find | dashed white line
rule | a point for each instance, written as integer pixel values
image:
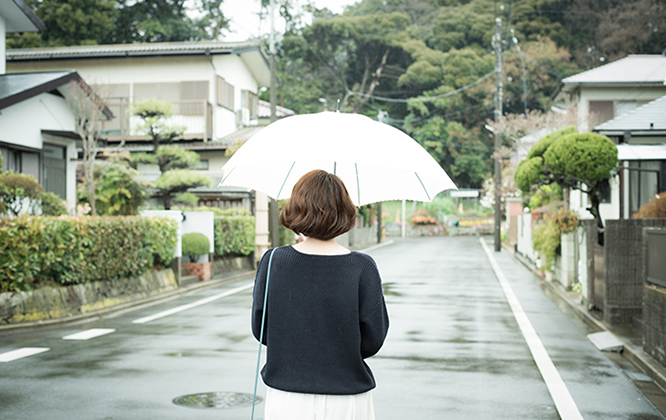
(88, 334)
(563, 400)
(191, 305)
(21, 353)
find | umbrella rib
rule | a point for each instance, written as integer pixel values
(358, 185)
(424, 188)
(285, 180)
(225, 178)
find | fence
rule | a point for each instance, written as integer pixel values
(196, 116)
(654, 303)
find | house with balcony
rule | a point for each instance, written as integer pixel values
(212, 87)
(37, 125)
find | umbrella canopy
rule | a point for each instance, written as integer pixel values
(376, 162)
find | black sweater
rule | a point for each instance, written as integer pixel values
(326, 313)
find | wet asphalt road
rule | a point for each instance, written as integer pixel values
(454, 351)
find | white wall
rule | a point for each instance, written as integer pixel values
(613, 94)
(2, 45)
(22, 123)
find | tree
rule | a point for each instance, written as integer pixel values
(117, 190)
(88, 110)
(69, 22)
(171, 160)
(456, 149)
(159, 21)
(578, 161)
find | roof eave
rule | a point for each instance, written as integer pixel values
(32, 17)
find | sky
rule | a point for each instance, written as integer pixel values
(245, 23)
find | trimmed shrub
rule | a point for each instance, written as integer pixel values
(653, 209)
(234, 235)
(19, 193)
(194, 245)
(53, 205)
(71, 250)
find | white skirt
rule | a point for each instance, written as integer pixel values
(282, 405)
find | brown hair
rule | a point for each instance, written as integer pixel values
(319, 207)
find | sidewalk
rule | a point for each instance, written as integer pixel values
(632, 342)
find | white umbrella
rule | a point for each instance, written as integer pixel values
(375, 161)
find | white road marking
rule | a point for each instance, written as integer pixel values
(21, 353)
(564, 402)
(88, 334)
(191, 305)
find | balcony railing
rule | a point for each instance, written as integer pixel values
(195, 115)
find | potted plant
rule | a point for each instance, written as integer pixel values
(194, 245)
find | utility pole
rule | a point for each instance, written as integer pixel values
(497, 44)
(273, 222)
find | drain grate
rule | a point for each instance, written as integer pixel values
(216, 400)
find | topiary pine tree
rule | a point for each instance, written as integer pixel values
(578, 161)
(172, 160)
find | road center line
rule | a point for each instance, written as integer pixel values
(21, 353)
(191, 305)
(88, 334)
(564, 402)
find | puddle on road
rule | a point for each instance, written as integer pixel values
(216, 400)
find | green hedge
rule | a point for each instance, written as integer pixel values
(71, 250)
(234, 235)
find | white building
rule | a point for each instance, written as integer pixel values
(212, 86)
(606, 93)
(37, 127)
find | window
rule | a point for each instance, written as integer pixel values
(225, 94)
(600, 112)
(250, 100)
(645, 181)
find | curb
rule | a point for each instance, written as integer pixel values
(144, 302)
(636, 355)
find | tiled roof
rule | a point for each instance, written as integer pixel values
(280, 112)
(130, 50)
(651, 116)
(633, 69)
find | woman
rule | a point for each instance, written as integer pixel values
(325, 311)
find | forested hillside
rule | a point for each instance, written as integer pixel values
(427, 63)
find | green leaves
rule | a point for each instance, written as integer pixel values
(234, 235)
(588, 157)
(195, 244)
(178, 180)
(70, 250)
(529, 173)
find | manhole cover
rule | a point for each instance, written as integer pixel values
(216, 400)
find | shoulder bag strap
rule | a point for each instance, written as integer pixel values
(261, 334)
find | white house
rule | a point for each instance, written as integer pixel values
(212, 86)
(37, 127)
(606, 93)
(640, 136)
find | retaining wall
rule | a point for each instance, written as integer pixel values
(80, 299)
